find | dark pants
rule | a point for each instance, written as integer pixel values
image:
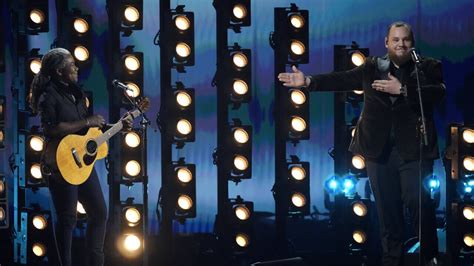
(65, 197)
(396, 182)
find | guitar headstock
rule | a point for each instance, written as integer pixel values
(144, 104)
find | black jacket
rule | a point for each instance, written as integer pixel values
(381, 113)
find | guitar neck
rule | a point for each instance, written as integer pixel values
(109, 133)
(115, 128)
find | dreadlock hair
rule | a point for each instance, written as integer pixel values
(54, 59)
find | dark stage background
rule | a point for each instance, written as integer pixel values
(444, 29)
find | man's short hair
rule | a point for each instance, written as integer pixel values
(398, 24)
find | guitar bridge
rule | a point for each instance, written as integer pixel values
(76, 157)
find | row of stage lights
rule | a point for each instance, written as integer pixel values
(291, 41)
(460, 154)
(234, 157)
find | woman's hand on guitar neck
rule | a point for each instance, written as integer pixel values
(127, 121)
(95, 121)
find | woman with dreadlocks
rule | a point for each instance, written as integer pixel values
(61, 104)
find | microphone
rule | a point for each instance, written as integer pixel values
(119, 84)
(414, 55)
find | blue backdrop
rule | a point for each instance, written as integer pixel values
(444, 30)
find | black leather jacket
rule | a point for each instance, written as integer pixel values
(381, 113)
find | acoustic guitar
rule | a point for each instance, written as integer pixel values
(76, 154)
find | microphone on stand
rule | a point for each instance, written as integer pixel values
(120, 85)
(414, 55)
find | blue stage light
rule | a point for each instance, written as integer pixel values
(349, 184)
(331, 185)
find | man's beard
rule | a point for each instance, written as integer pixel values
(399, 60)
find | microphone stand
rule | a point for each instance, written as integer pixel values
(145, 122)
(423, 142)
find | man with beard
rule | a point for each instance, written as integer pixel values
(388, 135)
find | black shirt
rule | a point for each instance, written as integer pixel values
(61, 103)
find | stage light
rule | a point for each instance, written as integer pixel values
(358, 92)
(359, 208)
(131, 73)
(35, 171)
(80, 209)
(297, 47)
(38, 16)
(358, 162)
(349, 56)
(181, 38)
(240, 60)
(183, 189)
(133, 90)
(183, 50)
(131, 16)
(468, 135)
(297, 97)
(39, 222)
(357, 58)
(2, 138)
(81, 25)
(36, 225)
(238, 76)
(298, 124)
(240, 87)
(4, 221)
(331, 185)
(359, 236)
(468, 212)
(133, 216)
(2, 187)
(349, 184)
(133, 168)
(184, 127)
(240, 135)
(239, 11)
(132, 160)
(2, 216)
(79, 39)
(297, 21)
(185, 202)
(132, 139)
(184, 175)
(239, 146)
(131, 242)
(239, 14)
(36, 143)
(432, 183)
(297, 108)
(240, 162)
(298, 172)
(239, 223)
(81, 53)
(131, 62)
(469, 240)
(242, 240)
(468, 163)
(182, 22)
(39, 249)
(183, 99)
(292, 34)
(242, 212)
(183, 115)
(35, 65)
(298, 200)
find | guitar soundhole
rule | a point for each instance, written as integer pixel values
(91, 147)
